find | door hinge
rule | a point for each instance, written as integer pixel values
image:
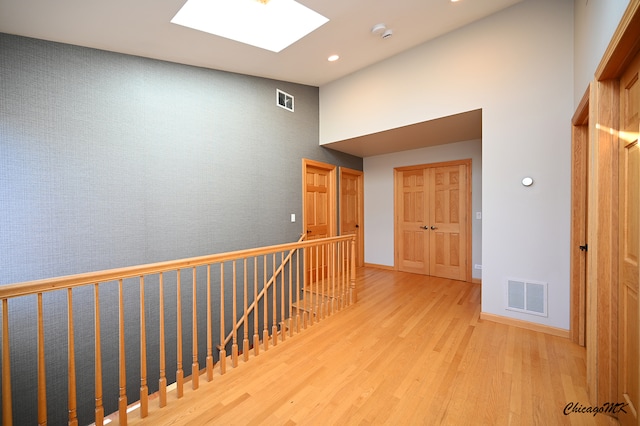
(584, 247)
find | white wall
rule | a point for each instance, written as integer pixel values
(378, 194)
(517, 67)
(595, 21)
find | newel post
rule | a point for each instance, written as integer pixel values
(352, 283)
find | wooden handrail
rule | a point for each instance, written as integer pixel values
(9, 291)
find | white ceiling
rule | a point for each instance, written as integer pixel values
(143, 28)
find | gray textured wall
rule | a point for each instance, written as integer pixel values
(109, 160)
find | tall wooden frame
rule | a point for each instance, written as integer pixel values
(579, 197)
(359, 176)
(603, 255)
(308, 207)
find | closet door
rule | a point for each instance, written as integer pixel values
(431, 219)
(447, 222)
(412, 230)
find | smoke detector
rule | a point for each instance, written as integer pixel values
(381, 30)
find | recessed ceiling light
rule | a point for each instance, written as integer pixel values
(273, 25)
(333, 58)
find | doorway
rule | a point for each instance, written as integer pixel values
(352, 209)
(318, 208)
(432, 219)
(579, 219)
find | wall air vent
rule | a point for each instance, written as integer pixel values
(284, 100)
(526, 296)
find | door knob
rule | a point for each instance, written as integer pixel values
(425, 227)
(433, 227)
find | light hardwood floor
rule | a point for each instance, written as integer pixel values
(411, 351)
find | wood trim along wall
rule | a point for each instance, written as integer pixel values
(624, 44)
(467, 162)
(603, 256)
(560, 332)
(602, 259)
(378, 266)
(581, 116)
(579, 188)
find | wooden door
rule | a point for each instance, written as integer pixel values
(629, 304)
(352, 209)
(319, 208)
(447, 222)
(433, 235)
(412, 248)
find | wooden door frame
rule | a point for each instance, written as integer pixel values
(331, 197)
(468, 228)
(603, 254)
(579, 188)
(360, 214)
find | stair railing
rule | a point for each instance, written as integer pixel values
(323, 270)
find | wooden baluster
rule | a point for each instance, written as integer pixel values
(353, 297)
(245, 341)
(223, 351)
(274, 324)
(71, 362)
(298, 290)
(144, 390)
(162, 381)
(327, 299)
(316, 307)
(283, 329)
(195, 365)
(42, 377)
(340, 278)
(209, 331)
(329, 278)
(308, 285)
(336, 283)
(265, 331)
(290, 319)
(7, 409)
(179, 370)
(256, 336)
(99, 410)
(323, 291)
(122, 398)
(345, 274)
(234, 346)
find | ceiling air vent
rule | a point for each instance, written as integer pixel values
(284, 100)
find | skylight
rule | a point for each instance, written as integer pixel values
(272, 26)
